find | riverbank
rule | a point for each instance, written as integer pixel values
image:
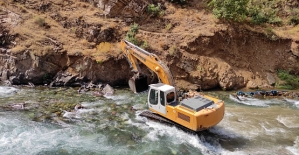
(75, 42)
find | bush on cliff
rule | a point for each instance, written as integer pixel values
(130, 36)
(291, 81)
(235, 10)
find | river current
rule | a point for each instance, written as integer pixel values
(42, 121)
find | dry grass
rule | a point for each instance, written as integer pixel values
(2, 4)
(104, 47)
(290, 32)
(40, 21)
(173, 50)
(18, 49)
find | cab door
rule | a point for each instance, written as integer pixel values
(156, 100)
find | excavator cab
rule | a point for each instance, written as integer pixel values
(159, 96)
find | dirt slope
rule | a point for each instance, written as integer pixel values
(69, 42)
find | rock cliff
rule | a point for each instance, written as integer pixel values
(67, 43)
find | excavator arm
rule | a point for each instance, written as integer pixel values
(135, 54)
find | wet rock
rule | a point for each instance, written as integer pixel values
(97, 93)
(78, 106)
(108, 90)
(6, 83)
(132, 109)
(17, 106)
(15, 80)
(83, 88)
(64, 79)
(4, 75)
(271, 80)
(228, 80)
(31, 84)
(251, 85)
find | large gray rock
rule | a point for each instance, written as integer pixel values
(125, 8)
(251, 85)
(271, 80)
(108, 90)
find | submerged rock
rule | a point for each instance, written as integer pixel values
(78, 106)
(17, 106)
(97, 93)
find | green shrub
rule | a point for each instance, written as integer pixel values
(130, 36)
(144, 45)
(257, 16)
(154, 10)
(291, 81)
(294, 17)
(275, 21)
(264, 12)
(235, 10)
(294, 20)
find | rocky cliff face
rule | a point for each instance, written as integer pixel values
(58, 43)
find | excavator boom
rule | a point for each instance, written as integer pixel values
(135, 54)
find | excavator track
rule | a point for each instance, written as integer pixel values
(158, 118)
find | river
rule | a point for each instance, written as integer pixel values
(40, 121)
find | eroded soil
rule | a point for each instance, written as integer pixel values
(71, 42)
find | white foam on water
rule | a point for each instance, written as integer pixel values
(292, 101)
(7, 91)
(271, 130)
(124, 116)
(72, 114)
(295, 148)
(116, 97)
(79, 113)
(223, 132)
(20, 136)
(252, 101)
(235, 125)
(92, 104)
(289, 121)
(157, 130)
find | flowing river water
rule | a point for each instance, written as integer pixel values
(40, 121)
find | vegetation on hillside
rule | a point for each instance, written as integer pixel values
(131, 37)
(276, 12)
(154, 10)
(290, 81)
(229, 9)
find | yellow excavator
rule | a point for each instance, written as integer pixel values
(193, 110)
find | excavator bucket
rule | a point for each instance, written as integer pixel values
(139, 84)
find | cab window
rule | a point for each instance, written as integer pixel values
(170, 97)
(162, 98)
(153, 98)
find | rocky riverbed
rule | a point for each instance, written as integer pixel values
(44, 120)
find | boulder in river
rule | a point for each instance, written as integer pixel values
(108, 90)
